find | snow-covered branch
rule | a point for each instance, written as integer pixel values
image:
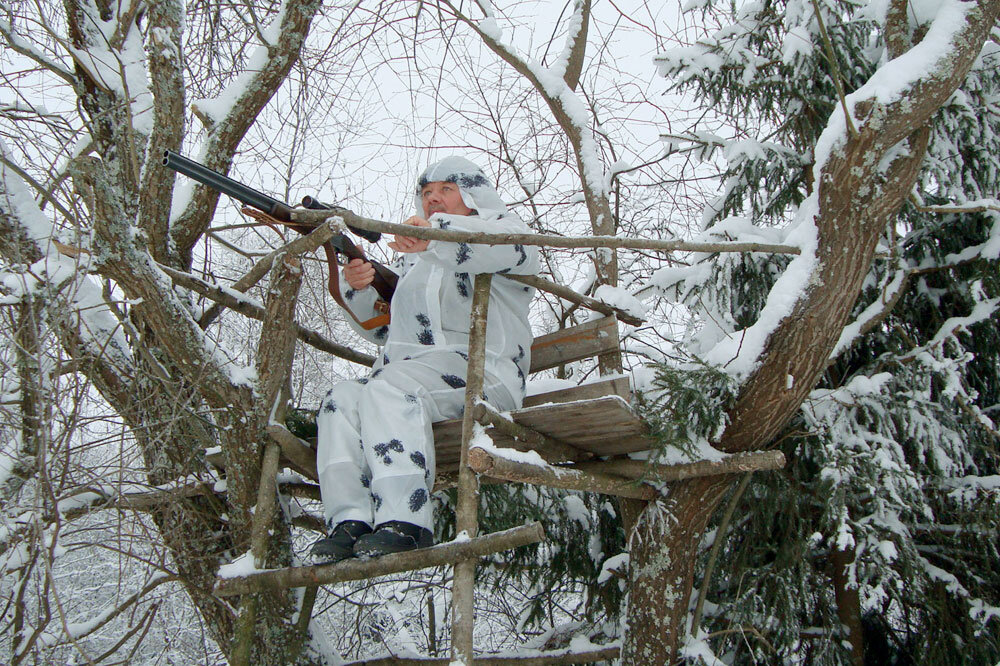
(26, 49)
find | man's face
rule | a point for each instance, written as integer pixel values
(442, 197)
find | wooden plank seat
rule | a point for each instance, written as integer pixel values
(595, 419)
(602, 426)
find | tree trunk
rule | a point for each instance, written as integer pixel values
(848, 602)
(857, 196)
(664, 549)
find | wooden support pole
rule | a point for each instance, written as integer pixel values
(552, 450)
(498, 467)
(734, 464)
(358, 569)
(302, 621)
(554, 657)
(467, 511)
(267, 500)
(274, 365)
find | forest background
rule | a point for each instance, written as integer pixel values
(861, 137)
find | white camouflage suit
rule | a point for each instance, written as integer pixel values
(375, 454)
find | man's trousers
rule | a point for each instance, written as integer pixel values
(375, 454)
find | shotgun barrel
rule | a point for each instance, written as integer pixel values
(385, 280)
(226, 185)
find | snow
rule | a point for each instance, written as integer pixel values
(122, 71)
(983, 311)
(852, 330)
(241, 566)
(619, 298)
(797, 43)
(699, 652)
(619, 562)
(481, 439)
(537, 385)
(888, 550)
(577, 510)
(99, 329)
(696, 450)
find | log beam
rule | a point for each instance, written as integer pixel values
(358, 569)
(734, 464)
(542, 659)
(498, 467)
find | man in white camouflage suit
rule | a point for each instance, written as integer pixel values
(375, 453)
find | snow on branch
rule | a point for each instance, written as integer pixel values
(28, 238)
(984, 310)
(894, 97)
(76, 631)
(26, 49)
(111, 56)
(892, 289)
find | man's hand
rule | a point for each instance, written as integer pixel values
(359, 273)
(407, 243)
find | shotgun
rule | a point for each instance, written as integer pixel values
(384, 281)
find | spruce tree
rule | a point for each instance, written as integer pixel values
(877, 543)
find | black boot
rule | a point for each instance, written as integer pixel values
(393, 536)
(339, 545)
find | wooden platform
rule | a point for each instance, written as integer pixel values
(591, 420)
(595, 426)
(601, 426)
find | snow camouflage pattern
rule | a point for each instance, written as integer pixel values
(375, 453)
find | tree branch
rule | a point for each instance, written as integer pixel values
(554, 657)
(356, 569)
(227, 133)
(240, 303)
(542, 240)
(166, 73)
(323, 232)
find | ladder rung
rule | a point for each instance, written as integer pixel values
(358, 569)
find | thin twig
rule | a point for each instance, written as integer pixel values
(834, 70)
(716, 547)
